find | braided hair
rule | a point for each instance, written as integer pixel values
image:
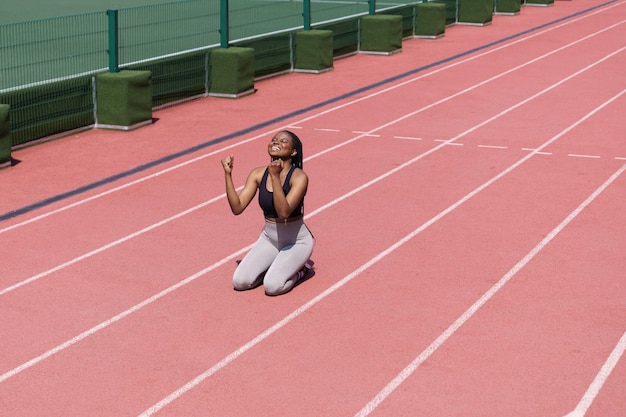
(297, 145)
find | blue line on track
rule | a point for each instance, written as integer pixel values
(185, 152)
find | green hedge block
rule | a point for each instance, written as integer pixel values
(539, 2)
(5, 135)
(430, 20)
(476, 12)
(124, 99)
(508, 6)
(232, 72)
(314, 50)
(50, 109)
(381, 33)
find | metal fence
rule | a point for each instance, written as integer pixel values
(47, 64)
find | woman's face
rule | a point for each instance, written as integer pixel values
(281, 146)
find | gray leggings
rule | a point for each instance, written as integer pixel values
(276, 257)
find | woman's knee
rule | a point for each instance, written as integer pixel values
(243, 281)
(274, 286)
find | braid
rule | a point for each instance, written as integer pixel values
(297, 144)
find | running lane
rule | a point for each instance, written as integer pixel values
(338, 354)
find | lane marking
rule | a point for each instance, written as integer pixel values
(493, 146)
(326, 130)
(443, 337)
(496, 147)
(538, 153)
(398, 380)
(365, 134)
(582, 156)
(600, 379)
(406, 137)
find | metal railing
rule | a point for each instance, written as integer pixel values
(45, 64)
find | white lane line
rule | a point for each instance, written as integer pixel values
(619, 158)
(432, 348)
(393, 385)
(447, 142)
(537, 153)
(600, 379)
(320, 129)
(583, 156)
(493, 146)
(407, 137)
(365, 134)
(338, 107)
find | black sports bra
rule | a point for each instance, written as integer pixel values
(266, 198)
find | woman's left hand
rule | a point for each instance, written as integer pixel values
(275, 167)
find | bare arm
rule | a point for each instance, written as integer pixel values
(239, 202)
(285, 204)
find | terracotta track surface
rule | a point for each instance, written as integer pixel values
(467, 200)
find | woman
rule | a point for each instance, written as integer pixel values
(280, 257)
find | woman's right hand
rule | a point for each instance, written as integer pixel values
(227, 164)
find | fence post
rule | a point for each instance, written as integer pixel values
(5, 136)
(307, 14)
(372, 4)
(113, 41)
(224, 24)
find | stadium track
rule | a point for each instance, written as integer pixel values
(467, 196)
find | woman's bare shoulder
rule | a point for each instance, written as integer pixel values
(258, 171)
(299, 175)
(256, 174)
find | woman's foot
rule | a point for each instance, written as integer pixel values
(303, 273)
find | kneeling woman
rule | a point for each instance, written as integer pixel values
(280, 257)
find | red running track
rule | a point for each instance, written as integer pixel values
(469, 217)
